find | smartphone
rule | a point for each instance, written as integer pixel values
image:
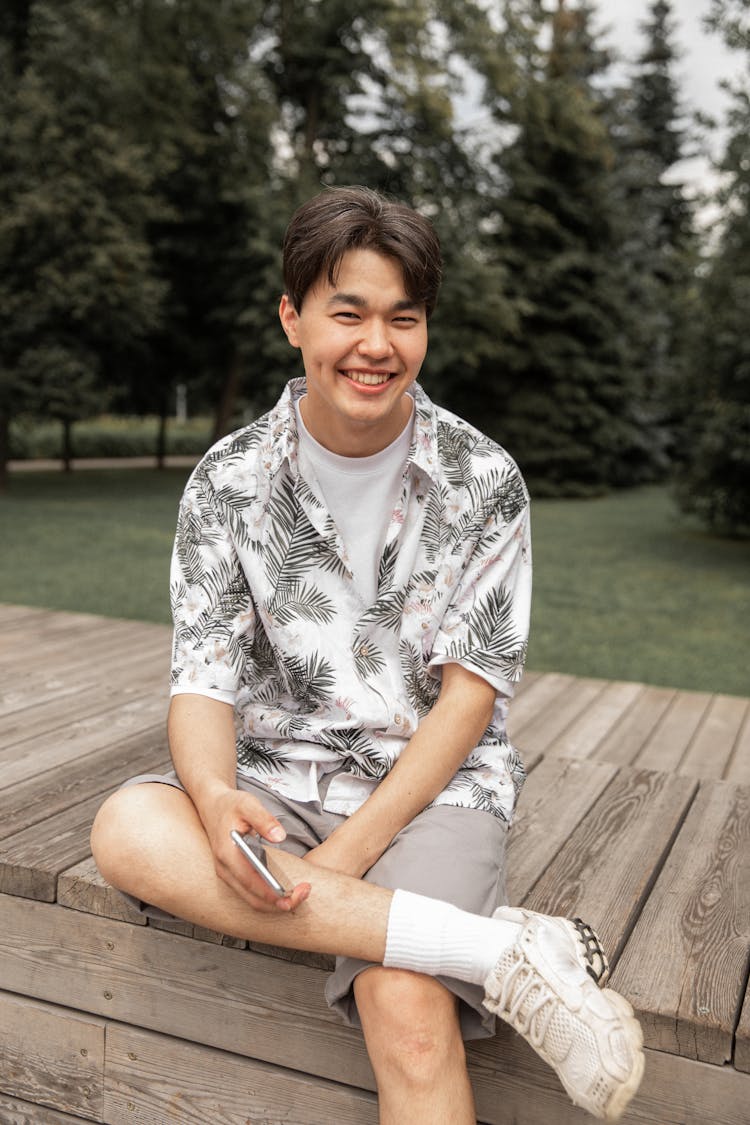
(260, 867)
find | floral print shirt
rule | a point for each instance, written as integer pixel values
(268, 616)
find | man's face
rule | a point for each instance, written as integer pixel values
(363, 342)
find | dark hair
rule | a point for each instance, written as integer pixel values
(325, 228)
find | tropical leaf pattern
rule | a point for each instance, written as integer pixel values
(266, 611)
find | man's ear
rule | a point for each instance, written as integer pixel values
(289, 316)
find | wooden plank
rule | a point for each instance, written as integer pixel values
(31, 861)
(12, 616)
(526, 681)
(52, 1055)
(554, 800)
(38, 798)
(234, 999)
(738, 768)
(540, 734)
(153, 1079)
(512, 1085)
(666, 747)
(589, 729)
(107, 728)
(27, 694)
(82, 888)
(685, 965)
(607, 867)
(543, 692)
(742, 1039)
(192, 990)
(199, 933)
(72, 639)
(628, 736)
(16, 1111)
(111, 683)
(711, 750)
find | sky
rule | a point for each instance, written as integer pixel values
(704, 62)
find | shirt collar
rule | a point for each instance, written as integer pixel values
(282, 428)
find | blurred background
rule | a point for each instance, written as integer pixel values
(588, 169)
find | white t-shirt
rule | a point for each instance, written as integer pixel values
(360, 493)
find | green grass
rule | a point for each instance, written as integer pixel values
(90, 541)
(625, 587)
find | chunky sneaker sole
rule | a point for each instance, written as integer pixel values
(542, 986)
(585, 941)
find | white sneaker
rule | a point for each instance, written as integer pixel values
(544, 987)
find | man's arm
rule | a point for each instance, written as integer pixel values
(440, 744)
(202, 743)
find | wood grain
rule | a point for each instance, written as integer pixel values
(539, 735)
(52, 1056)
(606, 869)
(154, 1078)
(668, 742)
(81, 887)
(233, 999)
(625, 740)
(16, 1111)
(711, 749)
(55, 790)
(554, 800)
(685, 965)
(742, 1039)
(31, 861)
(113, 722)
(582, 737)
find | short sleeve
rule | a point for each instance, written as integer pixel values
(486, 625)
(212, 607)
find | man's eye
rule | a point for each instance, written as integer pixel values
(348, 315)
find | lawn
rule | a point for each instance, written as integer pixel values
(625, 587)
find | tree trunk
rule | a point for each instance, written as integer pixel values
(161, 437)
(4, 449)
(67, 444)
(229, 393)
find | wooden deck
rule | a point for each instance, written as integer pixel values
(636, 815)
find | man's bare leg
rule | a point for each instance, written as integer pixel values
(413, 1038)
(148, 840)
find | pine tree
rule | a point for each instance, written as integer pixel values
(659, 243)
(78, 285)
(562, 397)
(715, 476)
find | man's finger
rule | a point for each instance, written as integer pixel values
(261, 820)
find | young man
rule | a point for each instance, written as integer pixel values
(350, 589)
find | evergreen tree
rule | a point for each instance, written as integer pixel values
(78, 286)
(205, 111)
(715, 477)
(563, 398)
(659, 245)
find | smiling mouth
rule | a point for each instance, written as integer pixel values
(368, 378)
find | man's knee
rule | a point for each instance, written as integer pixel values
(411, 1024)
(125, 830)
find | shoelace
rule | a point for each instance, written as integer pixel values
(512, 1005)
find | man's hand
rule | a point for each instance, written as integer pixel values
(233, 809)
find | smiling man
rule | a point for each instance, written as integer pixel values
(350, 591)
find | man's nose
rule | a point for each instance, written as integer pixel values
(375, 340)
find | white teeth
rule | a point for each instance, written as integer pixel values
(367, 379)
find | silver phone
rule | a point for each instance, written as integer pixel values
(259, 866)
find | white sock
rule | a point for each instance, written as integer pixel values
(433, 937)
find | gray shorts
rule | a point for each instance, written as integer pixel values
(453, 854)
